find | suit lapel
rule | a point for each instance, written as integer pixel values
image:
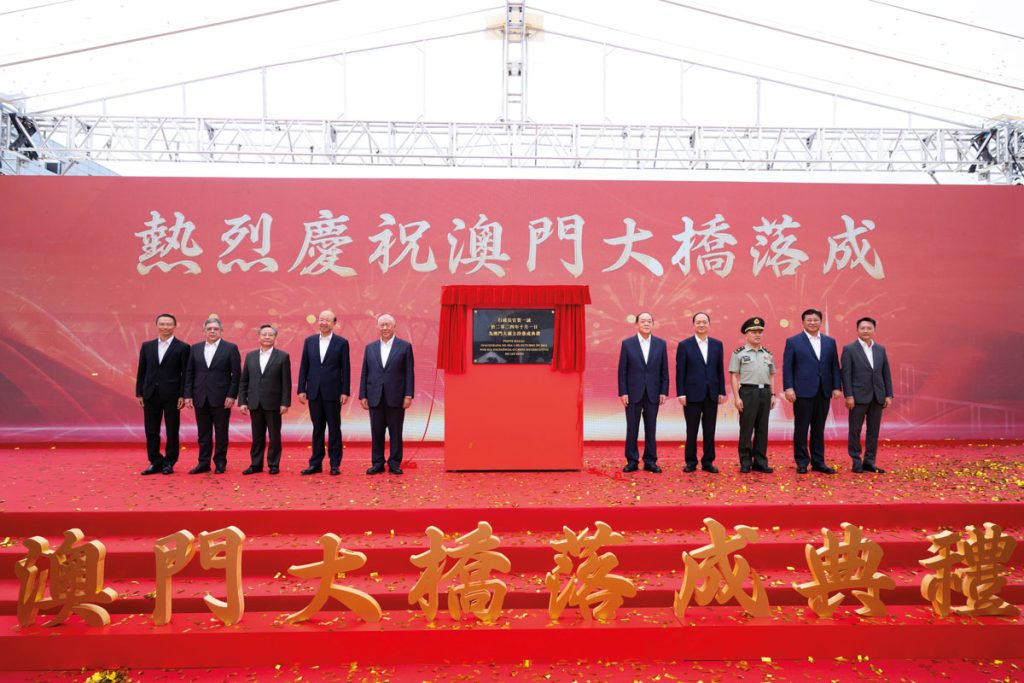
(270, 361)
(221, 350)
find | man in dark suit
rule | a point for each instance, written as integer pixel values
(324, 380)
(386, 387)
(211, 387)
(160, 391)
(810, 378)
(643, 387)
(264, 395)
(867, 384)
(700, 386)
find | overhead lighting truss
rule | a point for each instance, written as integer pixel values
(995, 153)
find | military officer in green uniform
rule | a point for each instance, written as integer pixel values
(752, 374)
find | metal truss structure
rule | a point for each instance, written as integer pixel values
(995, 153)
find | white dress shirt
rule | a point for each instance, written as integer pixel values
(645, 345)
(815, 343)
(703, 346)
(161, 348)
(385, 350)
(868, 352)
(209, 351)
(324, 343)
(265, 358)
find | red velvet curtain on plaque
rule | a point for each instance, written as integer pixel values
(570, 317)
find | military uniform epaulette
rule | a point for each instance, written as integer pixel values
(765, 349)
(740, 348)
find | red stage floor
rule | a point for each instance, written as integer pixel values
(605, 671)
(106, 478)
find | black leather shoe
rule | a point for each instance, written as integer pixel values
(690, 468)
(824, 470)
(312, 470)
(763, 470)
(857, 466)
(375, 470)
(744, 469)
(152, 469)
(801, 469)
(252, 470)
(395, 469)
(220, 470)
(873, 468)
(630, 467)
(273, 470)
(652, 468)
(168, 469)
(335, 471)
(710, 468)
(199, 470)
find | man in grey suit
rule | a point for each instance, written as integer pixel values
(867, 384)
(264, 394)
(386, 388)
(211, 387)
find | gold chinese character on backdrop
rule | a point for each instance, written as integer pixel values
(591, 586)
(985, 553)
(220, 549)
(472, 590)
(337, 561)
(938, 587)
(716, 578)
(173, 553)
(843, 565)
(74, 573)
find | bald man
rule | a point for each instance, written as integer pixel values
(324, 384)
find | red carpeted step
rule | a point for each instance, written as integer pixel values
(356, 520)
(284, 593)
(608, 668)
(527, 551)
(705, 633)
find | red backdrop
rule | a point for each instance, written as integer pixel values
(937, 266)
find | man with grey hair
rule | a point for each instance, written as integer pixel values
(386, 388)
(264, 395)
(211, 387)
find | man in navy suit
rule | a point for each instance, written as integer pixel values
(324, 380)
(160, 391)
(386, 388)
(810, 378)
(643, 387)
(211, 387)
(700, 386)
(867, 384)
(265, 395)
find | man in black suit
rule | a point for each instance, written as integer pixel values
(160, 391)
(810, 378)
(264, 394)
(324, 380)
(700, 386)
(211, 387)
(867, 384)
(386, 388)
(643, 387)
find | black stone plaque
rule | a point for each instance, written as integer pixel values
(513, 336)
